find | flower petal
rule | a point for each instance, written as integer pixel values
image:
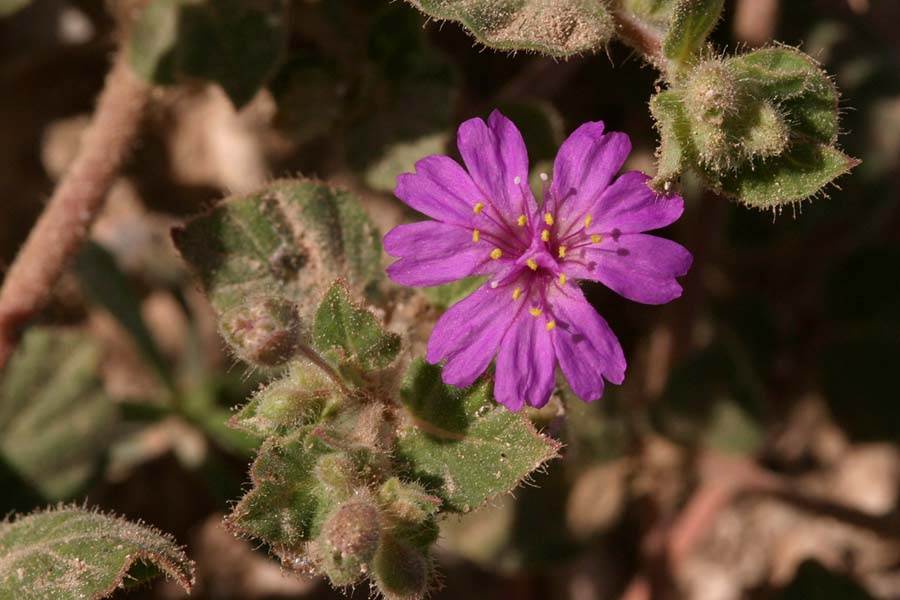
(495, 154)
(638, 266)
(630, 206)
(587, 349)
(468, 334)
(584, 166)
(434, 253)
(526, 364)
(441, 189)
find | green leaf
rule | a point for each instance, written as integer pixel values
(352, 332)
(290, 239)
(560, 28)
(461, 444)
(55, 419)
(236, 44)
(286, 506)
(109, 287)
(296, 400)
(692, 22)
(674, 153)
(799, 173)
(67, 553)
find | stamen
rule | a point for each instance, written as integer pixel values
(551, 325)
(516, 293)
(517, 180)
(521, 220)
(494, 285)
(535, 312)
(476, 235)
(548, 218)
(562, 279)
(562, 251)
(496, 253)
(531, 264)
(587, 221)
(545, 235)
(596, 238)
(543, 177)
(478, 208)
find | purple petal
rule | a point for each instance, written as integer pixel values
(587, 349)
(525, 364)
(468, 334)
(584, 166)
(434, 253)
(495, 155)
(638, 266)
(630, 206)
(441, 189)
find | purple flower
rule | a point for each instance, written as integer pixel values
(531, 313)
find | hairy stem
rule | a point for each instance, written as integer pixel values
(640, 36)
(66, 221)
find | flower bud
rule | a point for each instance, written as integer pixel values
(401, 571)
(265, 331)
(349, 540)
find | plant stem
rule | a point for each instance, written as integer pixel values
(79, 196)
(641, 36)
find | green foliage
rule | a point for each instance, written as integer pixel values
(55, 419)
(236, 44)
(445, 296)
(760, 128)
(68, 552)
(351, 335)
(691, 23)
(558, 29)
(466, 447)
(288, 240)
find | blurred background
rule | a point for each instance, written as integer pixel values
(752, 451)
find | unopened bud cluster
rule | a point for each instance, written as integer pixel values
(263, 331)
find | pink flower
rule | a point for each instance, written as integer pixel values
(531, 313)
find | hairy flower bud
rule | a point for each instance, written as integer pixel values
(265, 331)
(349, 540)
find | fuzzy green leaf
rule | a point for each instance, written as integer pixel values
(290, 239)
(558, 28)
(692, 22)
(445, 296)
(352, 332)
(799, 173)
(55, 419)
(67, 553)
(293, 401)
(236, 44)
(462, 444)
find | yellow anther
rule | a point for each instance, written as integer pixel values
(476, 235)
(551, 325)
(545, 235)
(535, 312)
(478, 208)
(562, 251)
(496, 253)
(588, 220)
(596, 238)
(516, 293)
(531, 264)
(521, 220)
(562, 279)
(548, 218)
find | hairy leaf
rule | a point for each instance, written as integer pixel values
(462, 444)
(352, 333)
(692, 22)
(290, 239)
(67, 553)
(55, 419)
(559, 28)
(236, 44)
